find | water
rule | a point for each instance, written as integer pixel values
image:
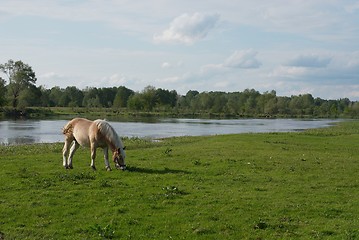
(49, 131)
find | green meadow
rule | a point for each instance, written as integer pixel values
(302, 185)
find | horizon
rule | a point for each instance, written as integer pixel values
(226, 92)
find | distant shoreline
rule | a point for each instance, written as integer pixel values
(112, 113)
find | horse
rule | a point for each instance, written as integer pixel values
(93, 134)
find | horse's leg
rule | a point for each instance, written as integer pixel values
(73, 149)
(105, 154)
(65, 151)
(93, 156)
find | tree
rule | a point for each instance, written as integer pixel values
(234, 103)
(206, 101)
(30, 97)
(149, 97)
(283, 105)
(75, 96)
(266, 102)
(55, 96)
(45, 97)
(186, 101)
(107, 96)
(308, 103)
(166, 98)
(135, 102)
(20, 76)
(91, 97)
(219, 102)
(122, 97)
(2, 92)
(94, 102)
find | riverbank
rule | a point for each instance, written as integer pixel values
(247, 186)
(115, 113)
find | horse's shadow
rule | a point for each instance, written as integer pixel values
(155, 171)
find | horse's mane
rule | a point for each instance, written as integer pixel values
(109, 133)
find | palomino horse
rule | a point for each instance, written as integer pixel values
(93, 134)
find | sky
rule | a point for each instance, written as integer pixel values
(290, 46)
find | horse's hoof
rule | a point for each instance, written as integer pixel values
(70, 167)
(93, 168)
(108, 169)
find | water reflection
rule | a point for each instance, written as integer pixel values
(23, 125)
(21, 140)
(28, 131)
(46, 131)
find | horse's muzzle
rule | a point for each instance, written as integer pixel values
(120, 166)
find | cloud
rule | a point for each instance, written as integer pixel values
(173, 79)
(335, 70)
(243, 59)
(288, 72)
(188, 29)
(224, 76)
(113, 80)
(352, 8)
(166, 65)
(239, 59)
(52, 79)
(49, 75)
(310, 61)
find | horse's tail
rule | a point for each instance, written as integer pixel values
(68, 128)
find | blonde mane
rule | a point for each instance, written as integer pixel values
(109, 133)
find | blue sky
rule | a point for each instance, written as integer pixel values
(293, 47)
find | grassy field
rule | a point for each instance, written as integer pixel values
(247, 186)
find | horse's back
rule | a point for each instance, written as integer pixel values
(79, 128)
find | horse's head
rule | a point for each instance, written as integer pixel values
(119, 158)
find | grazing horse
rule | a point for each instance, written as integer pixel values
(93, 134)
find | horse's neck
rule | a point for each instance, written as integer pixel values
(115, 140)
(113, 144)
(112, 139)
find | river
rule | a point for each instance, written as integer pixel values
(49, 131)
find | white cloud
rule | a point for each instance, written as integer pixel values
(311, 61)
(288, 72)
(166, 65)
(49, 75)
(113, 80)
(352, 8)
(224, 76)
(188, 29)
(51, 79)
(222, 84)
(319, 69)
(240, 59)
(243, 59)
(173, 79)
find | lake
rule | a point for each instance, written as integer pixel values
(49, 131)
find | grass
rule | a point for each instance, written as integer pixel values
(247, 186)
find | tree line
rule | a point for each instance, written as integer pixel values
(18, 90)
